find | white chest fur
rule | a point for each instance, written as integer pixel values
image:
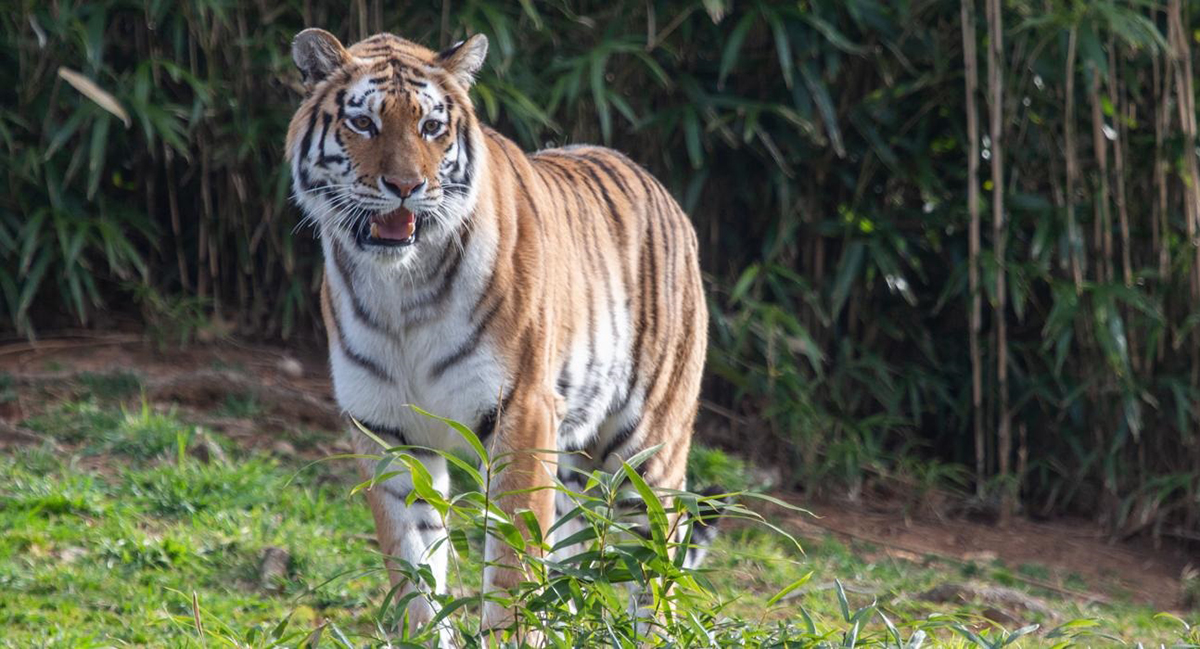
(434, 357)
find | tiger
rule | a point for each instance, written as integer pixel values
(551, 301)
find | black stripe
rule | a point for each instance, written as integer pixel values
(612, 209)
(340, 99)
(448, 268)
(469, 345)
(561, 182)
(386, 433)
(487, 425)
(393, 491)
(524, 188)
(491, 420)
(468, 155)
(610, 219)
(449, 51)
(648, 274)
(630, 506)
(564, 381)
(609, 294)
(487, 291)
(670, 239)
(360, 310)
(326, 120)
(306, 141)
(571, 475)
(689, 297)
(306, 183)
(592, 385)
(610, 172)
(429, 526)
(616, 221)
(662, 326)
(355, 357)
(622, 238)
(390, 435)
(619, 440)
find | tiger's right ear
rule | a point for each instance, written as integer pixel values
(317, 53)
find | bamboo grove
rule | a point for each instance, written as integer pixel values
(946, 241)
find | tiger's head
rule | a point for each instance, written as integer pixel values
(383, 148)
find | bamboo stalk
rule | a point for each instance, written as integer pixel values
(1103, 216)
(1184, 92)
(970, 61)
(360, 9)
(1116, 97)
(1072, 163)
(1120, 108)
(996, 93)
(1161, 228)
(444, 38)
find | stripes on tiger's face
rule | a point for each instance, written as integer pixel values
(382, 150)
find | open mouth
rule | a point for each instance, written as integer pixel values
(389, 229)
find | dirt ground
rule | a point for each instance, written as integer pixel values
(293, 392)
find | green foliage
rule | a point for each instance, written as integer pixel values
(710, 466)
(818, 145)
(167, 553)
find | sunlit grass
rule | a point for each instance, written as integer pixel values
(105, 546)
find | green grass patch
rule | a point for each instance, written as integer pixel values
(110, 385)
(243, 407)
(108, 544)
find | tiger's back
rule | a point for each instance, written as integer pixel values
(623, 283)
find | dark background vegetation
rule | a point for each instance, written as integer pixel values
(830, 155)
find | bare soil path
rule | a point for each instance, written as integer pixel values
(292, 390)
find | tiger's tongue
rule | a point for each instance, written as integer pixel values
(398, 224)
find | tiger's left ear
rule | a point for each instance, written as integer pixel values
(463, 59)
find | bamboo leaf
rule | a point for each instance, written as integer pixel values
(848, 270)
(824, 105)
(733, 46)
(789, 588)
(89, 89)
(96, 153)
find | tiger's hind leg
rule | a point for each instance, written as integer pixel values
(662, 413)
(703, 530)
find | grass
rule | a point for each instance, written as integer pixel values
(127, 539)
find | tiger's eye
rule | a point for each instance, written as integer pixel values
(362, 123)
(431, 127)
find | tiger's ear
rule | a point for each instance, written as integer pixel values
(463, 59)
(317, 53)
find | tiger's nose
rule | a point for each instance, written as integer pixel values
(403, 187)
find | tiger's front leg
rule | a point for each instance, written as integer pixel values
(409, 536)
(524, 484)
